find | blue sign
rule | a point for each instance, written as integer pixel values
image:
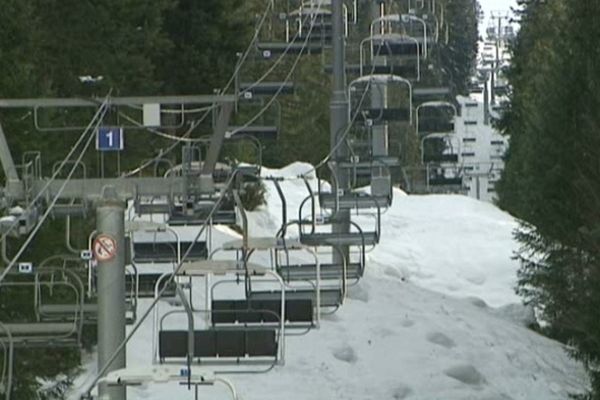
(109, 139)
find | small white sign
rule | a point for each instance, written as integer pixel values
(151, 114)
(25, 268)
(86, 255)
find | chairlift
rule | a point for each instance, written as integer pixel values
(435, 117)
(314, 236)
(161, 251)
(366, 96)
(137, 376)
(352, 199)
(219, 346)
(300, 312)
(445, 179)
(397, 50)
(306, 30)
(423, 94)
(439, 148)
(378, 69)
(265, 128)
(270, 49)
(253, 89)
(40, 332)
(280, 248)
(407, 25)
(276, 246)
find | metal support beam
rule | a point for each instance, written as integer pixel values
(91, 189)
(8, 164)
(486, 102)
(110, 222)
(116, 101)
(216, 141)
(339, 122)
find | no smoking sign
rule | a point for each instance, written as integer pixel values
(105, 247)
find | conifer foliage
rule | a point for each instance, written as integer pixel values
(137, 47)
(552, 178)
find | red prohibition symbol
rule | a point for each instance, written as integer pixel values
(105, 247)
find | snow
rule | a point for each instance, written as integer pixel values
(7, 220)
(16, 211)
(435, 316)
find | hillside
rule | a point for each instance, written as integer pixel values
(416, 326)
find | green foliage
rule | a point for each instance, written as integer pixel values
(206, 35)
(457, 58)
(552, 173)
(253, 195)
(139, 47)
(115, 39)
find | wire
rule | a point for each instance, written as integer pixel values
(288, 76)
(104, 110)
(178, 139)
(163, 153)
(342, 138)
(249, 48)
(195, 123)
(279, 59)
(60, 167)
(167, 283)
(185, 138)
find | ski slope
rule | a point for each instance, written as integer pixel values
(435, 317)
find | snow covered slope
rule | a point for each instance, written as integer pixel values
(416, 326)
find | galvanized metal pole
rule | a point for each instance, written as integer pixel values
(486, 102)
(339, 122)
(380, 177)
(110, 223)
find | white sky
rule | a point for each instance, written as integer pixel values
(495, 5)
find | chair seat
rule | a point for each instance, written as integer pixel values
(339, 239)
(328, 271)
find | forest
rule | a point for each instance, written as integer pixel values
(74, 48)
(552, 176)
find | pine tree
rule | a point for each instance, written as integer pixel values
(551, 180)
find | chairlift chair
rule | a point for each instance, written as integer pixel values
(276, 246)
(439, 148)
(399, 51)
(435, 117)
(223, 347)
(316, 237)
(446, 179)
(136, 376)
(265, 128)
(379, 87)
(39, 332)
(422, 94)
(253, 89)
(166, 251)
